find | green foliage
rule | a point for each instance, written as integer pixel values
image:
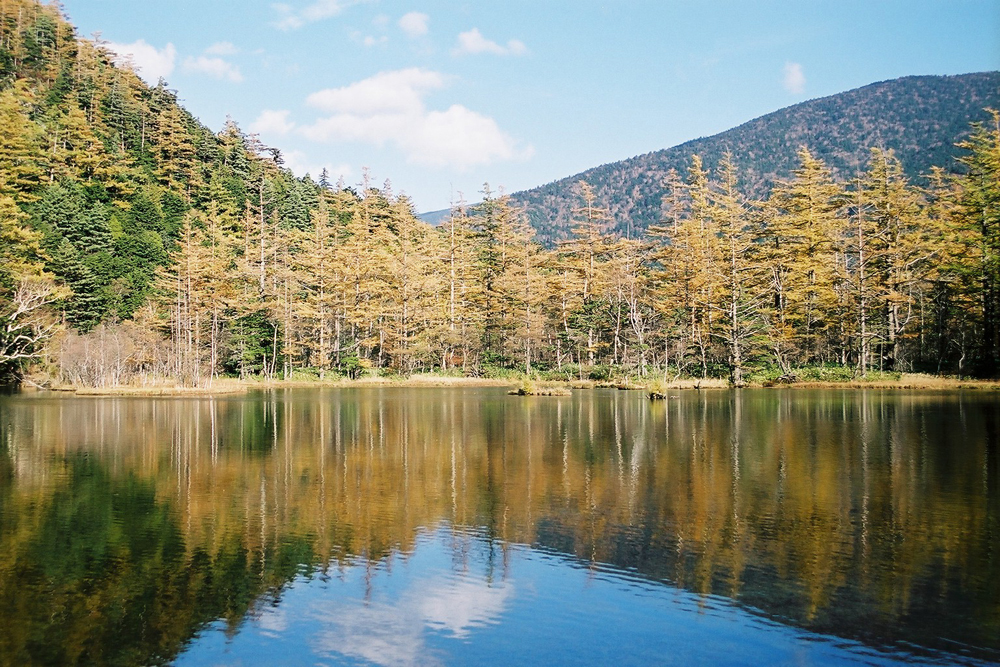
(173, 208)
(68, 210)
(144, 214)
(826, 373)
(251, 347)
(600, 373)
(352, 366)
(304, 375)
(86, 304)
(527, 388)
(495, 372)
(106, 577)
(566, 373)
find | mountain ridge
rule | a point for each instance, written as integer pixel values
(919, 117)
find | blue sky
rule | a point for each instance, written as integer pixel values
(440, 97)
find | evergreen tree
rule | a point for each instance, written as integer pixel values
(86, 303)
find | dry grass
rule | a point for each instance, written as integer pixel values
(707, 383)
(582, 384)
(215, 388)
(905, 381)
(234, 386)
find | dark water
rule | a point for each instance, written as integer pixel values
(439, 526)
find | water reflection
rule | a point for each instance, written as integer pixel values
(872, 516)
(393, 631)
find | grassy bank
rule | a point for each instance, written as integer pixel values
(531, 386)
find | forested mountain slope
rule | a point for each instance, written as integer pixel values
(920, 118)
(98, 171)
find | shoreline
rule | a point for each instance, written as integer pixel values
(228, 386)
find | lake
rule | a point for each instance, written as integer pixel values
(419, 526)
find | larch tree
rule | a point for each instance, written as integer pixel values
(22, 158)
(585, 257)
(859, 275)
(496, 238)
(902, 252)
(75, 152)
(525, 282)
(316, 263)
(629, 296)
(980, 209)
(412, 313)
(671, 280)
(951, 314)
(800, 251)
(697, 252)
(175, 147)
(738, 276)
(459, 254)
(220, 294)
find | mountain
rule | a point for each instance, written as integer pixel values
(919, 117)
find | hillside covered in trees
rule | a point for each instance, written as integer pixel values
(919, 118)
(137, 245)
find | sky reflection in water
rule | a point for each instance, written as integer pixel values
(425, 608)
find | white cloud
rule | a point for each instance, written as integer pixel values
(461, 138)
(516, 47)
(472, 42)
(150, 63)
(414, 24)
(217, 68)
(795, 79)
(371, 41)
(400, 91)
(272, 123)
(389, 108)
(222, 49)
(395, 633)
(291, 19)
(460, 605)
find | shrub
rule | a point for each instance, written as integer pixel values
(826, 373)
(500, 372)
(599, 373)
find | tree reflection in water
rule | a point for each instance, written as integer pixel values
(127, 525)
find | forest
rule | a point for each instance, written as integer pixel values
(137, 245)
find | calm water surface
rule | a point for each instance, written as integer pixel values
(464, 526)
